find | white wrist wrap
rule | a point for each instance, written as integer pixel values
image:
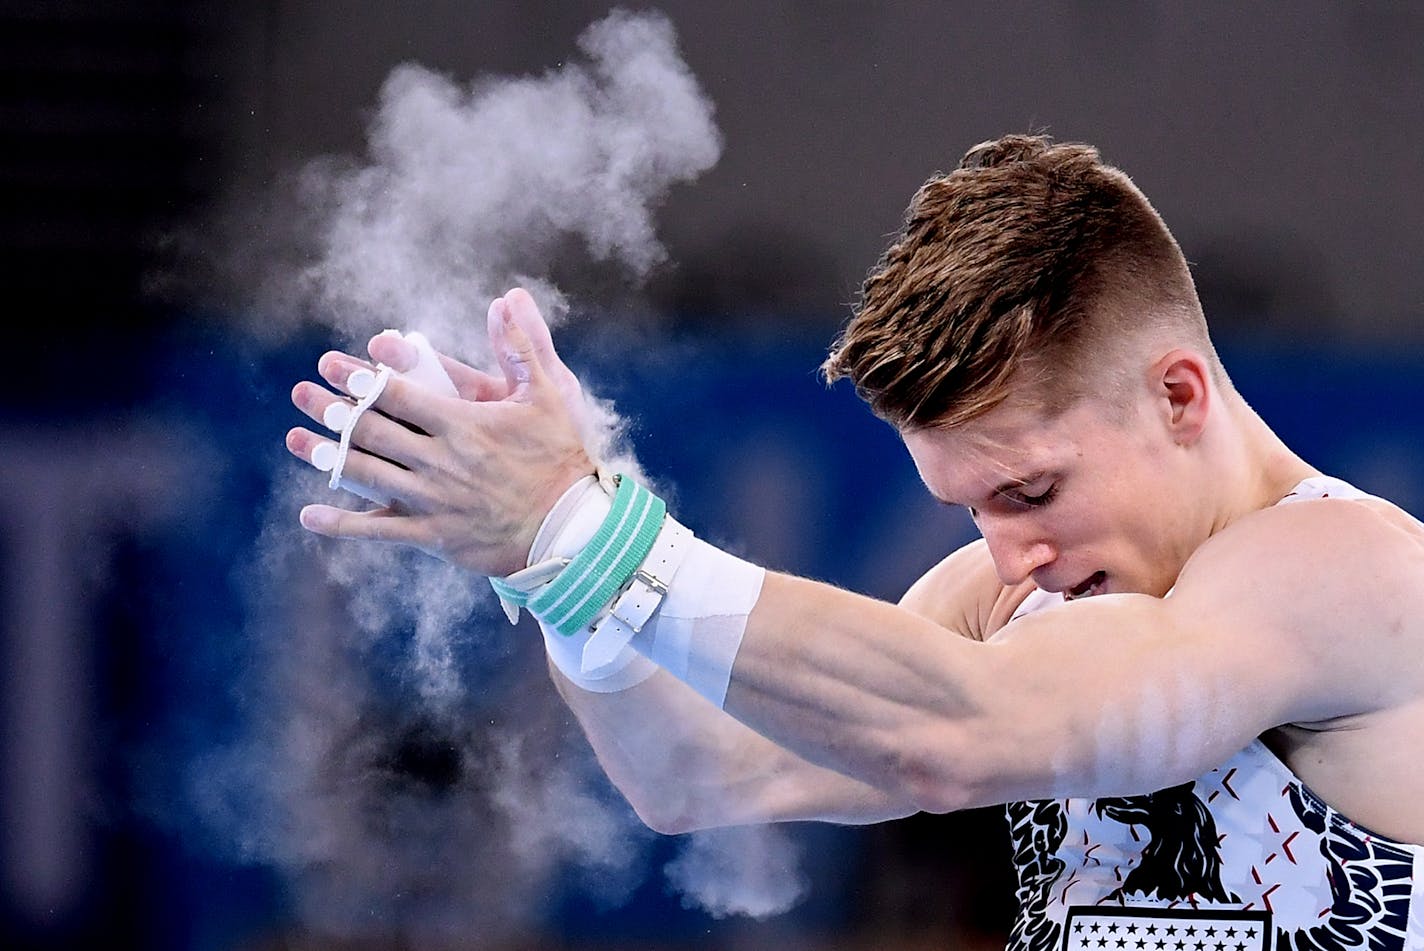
(571, 522)
(684, 608)
(568, 528)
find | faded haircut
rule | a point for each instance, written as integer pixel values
(1027, 267)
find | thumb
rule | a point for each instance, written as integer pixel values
(524, 313)
(517, 354)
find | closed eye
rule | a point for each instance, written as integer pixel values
(1033, 500)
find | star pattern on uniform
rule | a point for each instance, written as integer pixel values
(1127, 930)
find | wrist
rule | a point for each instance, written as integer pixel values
(620, 588)
(583, 565)
(571, 522)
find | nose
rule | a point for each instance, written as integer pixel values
(1017, 554)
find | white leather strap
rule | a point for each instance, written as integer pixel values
(646, 590)
(370, 391)
(526, 581)
(366, 387)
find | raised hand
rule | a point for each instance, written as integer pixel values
(471, 478)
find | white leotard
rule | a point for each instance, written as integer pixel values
(1245, 858)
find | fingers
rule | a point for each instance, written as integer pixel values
(475, 385)
(525, 313)
(394, 351)
(385, 477)
(474, 466)
(417, 405)
(401, 399)
(496, 323)
(336, 368)
(377, 525)
(372, 432)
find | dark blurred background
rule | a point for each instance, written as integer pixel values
(141, 427)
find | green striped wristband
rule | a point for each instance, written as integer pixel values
(573, 599)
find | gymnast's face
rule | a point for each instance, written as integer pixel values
(1098, 498)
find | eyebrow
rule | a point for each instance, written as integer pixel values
(1002, 488)
(1018, 483)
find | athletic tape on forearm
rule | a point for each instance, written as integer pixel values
(694, 634)
(698, 629)
(626, 670)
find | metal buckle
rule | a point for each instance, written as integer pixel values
(652, 581)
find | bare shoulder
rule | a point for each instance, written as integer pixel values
(1353, 544)
(963, 593)
(1332, 590)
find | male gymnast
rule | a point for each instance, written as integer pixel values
(1189, 663)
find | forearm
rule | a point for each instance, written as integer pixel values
(862, 687)
(685, 765)
(1117, 694)
(823, 676)
(820, 675)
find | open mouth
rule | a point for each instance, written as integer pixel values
(1088, 587)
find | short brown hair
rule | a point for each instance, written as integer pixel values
(1027, 259)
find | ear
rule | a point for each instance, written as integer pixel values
(1183, 384)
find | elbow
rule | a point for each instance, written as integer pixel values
(665, 822)
(668, 799)
(937, 793)
(665, 814)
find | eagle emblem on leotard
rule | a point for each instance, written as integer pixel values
(1182, 861)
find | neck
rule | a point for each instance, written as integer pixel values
(1261, 467)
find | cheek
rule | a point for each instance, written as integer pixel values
(1153, 533)
(1139, 485)
(1081, 523)
(1115, 518)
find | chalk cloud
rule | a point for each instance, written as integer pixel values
(469, 188)
(384, 762)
